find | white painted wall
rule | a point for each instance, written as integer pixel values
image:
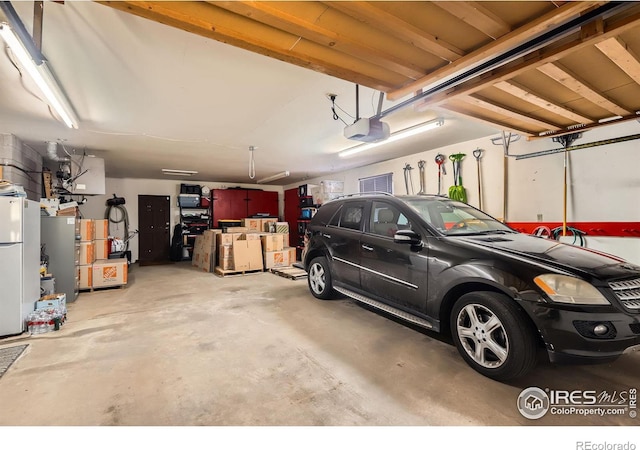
(130, 188)
(604, 181)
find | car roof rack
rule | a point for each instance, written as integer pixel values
(363, 194)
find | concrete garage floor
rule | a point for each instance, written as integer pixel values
(182, 347)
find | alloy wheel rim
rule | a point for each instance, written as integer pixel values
(316, 278)
(482, 335)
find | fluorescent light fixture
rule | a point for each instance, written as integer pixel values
(41, 75)
(411, 131)
(274, 177)
(179, 172)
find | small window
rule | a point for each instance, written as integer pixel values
(378, 183)
(351, 217)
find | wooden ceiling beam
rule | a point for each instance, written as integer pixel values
(580, 87)
(376, 17)
(531, 62)
(617, 51)
(268, 14)
(519, 91)
(510, 113)
(477, 16)
(495, 123)
(209, 21)
(501, 45)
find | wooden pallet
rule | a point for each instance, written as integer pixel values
(102, 288)
(290, 272)
(227, 273)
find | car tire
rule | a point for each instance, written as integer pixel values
(493, 335)
(319, 279)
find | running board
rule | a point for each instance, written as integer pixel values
(386, 308)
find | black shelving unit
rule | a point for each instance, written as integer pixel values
(194, 221)
(306, 210)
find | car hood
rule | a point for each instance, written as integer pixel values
(555, 254)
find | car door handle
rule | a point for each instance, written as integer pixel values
(325, 235)
(367, 248)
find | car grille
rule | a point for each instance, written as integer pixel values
(635, 327)
(628, 292)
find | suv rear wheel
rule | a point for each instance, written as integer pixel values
(319, 278)
(493, 335)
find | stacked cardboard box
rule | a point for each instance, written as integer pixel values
(239, 252)
(87, 252)
(109, 272)
(204, 251)
(275, 250)
(102, 246)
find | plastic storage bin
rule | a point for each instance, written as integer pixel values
(189, 200)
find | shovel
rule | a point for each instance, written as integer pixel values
(457, 191)
(440, 159)
(477, 154)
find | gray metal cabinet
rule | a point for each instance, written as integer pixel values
(61, 239)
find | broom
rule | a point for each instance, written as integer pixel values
(457, 191)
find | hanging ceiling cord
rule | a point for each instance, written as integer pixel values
(252, 163)
(332, 98)
(8, 52)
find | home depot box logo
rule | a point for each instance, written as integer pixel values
(109, 273)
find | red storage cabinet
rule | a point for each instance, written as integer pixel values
(236, 204)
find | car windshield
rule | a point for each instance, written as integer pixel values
(456, 218)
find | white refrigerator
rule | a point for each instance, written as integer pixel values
(19, 262)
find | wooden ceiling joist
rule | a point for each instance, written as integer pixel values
(519, 91)
(616, 50)
(533, 61)
(206, 20)
(571, 81)
(477, 16)
(503, 125)
(501, 45)
(395, 26)
(510, 113)
(268, 14)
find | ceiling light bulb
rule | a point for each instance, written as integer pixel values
(274, 177)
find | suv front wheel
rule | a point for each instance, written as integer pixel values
(319, 278)
(493, 335)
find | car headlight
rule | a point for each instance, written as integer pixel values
(566, 289)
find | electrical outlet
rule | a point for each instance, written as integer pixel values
(539, 217)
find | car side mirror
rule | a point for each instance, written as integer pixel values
(407, 237)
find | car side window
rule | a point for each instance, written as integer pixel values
(386, 220)
(351, 217)
(335, 220)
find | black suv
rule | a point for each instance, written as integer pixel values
(451, 268)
